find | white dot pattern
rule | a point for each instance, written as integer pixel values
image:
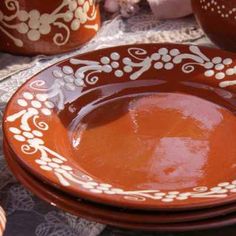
(22, 102)
(217, 6)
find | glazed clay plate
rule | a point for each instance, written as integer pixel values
(79, 206)
(108, 216)
(142, 126)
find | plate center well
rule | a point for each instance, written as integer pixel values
(166, 141)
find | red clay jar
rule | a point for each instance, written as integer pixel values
(46, 27)
(218, 19)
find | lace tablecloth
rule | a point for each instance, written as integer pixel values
(26, 214)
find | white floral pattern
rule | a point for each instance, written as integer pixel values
(220, 7)
(134, 64)
(34, 25)
(139, 62)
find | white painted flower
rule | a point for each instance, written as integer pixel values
(38, 25)
(166, 58)
(216, 68)
(53, 164)
(111, 62)
(171, 196)
(37, 102)
(81, 15)
(33, 34)
(23, 136)
(67, 74)
(34, 24)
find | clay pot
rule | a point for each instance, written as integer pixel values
(33, 27)
(218, 19)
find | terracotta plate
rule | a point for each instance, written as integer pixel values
(112, 216)
(120, 214)
(142, 126)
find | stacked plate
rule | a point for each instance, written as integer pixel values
(139, 137)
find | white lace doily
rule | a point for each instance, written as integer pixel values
(28, 215)
(143, 28)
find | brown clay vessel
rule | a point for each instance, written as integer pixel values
(33, 27)
(218, 19)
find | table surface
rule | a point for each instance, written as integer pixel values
(26, 214)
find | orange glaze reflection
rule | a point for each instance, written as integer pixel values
(163, 141)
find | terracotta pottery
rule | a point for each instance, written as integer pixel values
(3, 221)
(113, 216)
(218, 19)
(33, 27)
(137, 126)
(99, 210)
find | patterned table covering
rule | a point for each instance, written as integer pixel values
(26, 214)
